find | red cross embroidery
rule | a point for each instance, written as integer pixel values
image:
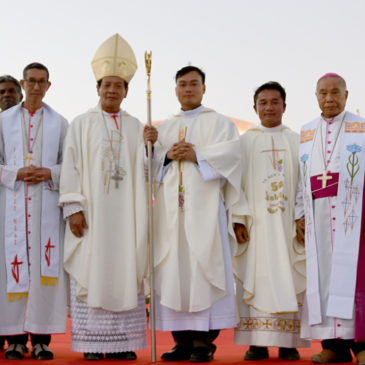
(15, 268)
(47, 254)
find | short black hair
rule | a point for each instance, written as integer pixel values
(188, 69)
(37, 65)
(8, 78)
(101, 80)
(271, 85)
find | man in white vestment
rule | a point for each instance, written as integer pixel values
(104, 199)
(330, 209)
(270, 267)
(33, 285)
(198, 180)
(10, 95)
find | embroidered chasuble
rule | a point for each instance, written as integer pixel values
(270, 268)
(109, 262)
(335, 303)
(33, 286)
(194, 279)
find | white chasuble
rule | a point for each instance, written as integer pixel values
(270, 268)
(187, 224)
(332, 222)
(108, 263)
(34, 289)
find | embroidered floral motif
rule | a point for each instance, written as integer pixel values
(352, 165)
(304, 159)
(351, 191)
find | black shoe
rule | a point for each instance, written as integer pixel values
(203, 354)
(286, 353)
(42, 352)
(15, 352)
(256, 353)
(127, 355)
(178, 353)
(93, 356)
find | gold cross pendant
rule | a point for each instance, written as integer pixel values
(324, 179)
(27, 158)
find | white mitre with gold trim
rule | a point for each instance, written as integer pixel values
(114, 57)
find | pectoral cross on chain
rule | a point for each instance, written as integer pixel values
(28, 157)
(118, 175)
(324, 179)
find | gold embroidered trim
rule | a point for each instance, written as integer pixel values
(269, 324)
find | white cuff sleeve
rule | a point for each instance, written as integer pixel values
(71, 208)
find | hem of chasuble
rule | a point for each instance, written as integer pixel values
(273, 338)
(245, 301)
(267, 312)
(193, 324)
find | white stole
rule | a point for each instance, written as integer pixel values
(348, 219)
(16, 211)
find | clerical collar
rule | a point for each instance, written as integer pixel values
(191, 113)
(32, 113)
(111, 114)
(337, 118)
(278, 128)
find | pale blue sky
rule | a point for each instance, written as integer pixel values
(240, 44)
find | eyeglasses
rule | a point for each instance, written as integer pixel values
(41, 83)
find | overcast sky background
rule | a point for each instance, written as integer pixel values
(240, 44)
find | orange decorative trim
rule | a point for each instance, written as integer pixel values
(308, 135)
(354, 127)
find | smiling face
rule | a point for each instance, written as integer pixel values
(112, 91)
(331, 95)
(190, 90)
(270, 107)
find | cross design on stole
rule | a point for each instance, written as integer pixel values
(15, 268)
(47, 254)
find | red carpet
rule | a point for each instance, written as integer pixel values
(227, 353)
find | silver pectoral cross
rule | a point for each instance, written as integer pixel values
(324, 179)
(118, 175)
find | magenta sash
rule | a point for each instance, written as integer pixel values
(331, 189)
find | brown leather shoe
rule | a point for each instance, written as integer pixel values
(328, 356)
(361, 358)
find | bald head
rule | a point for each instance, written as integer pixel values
(331, 95)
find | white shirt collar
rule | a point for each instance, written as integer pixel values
(337, 118)
(278, 128)
(110, 114)
(191, 113)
